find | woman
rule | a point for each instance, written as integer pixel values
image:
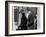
(23, 22)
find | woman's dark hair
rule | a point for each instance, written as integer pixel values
(23, 13)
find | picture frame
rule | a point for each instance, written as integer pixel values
(10, 6)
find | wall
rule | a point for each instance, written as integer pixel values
(2, 19)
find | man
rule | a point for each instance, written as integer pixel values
(31, 21)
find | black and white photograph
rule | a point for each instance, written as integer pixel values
(24, 18)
